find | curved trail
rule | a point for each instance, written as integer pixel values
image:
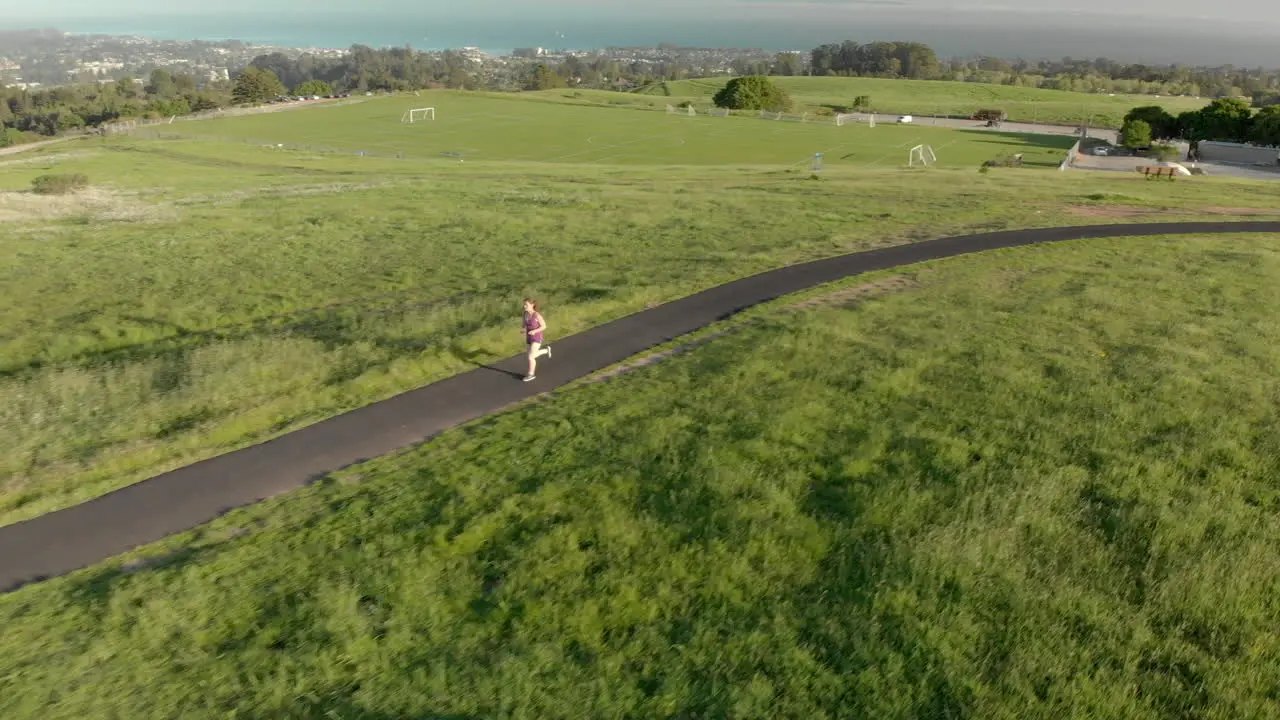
(81, 535)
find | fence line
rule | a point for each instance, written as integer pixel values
(1072, 155)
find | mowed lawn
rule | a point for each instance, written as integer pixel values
(516, 128)
(1040, 484)
(936, 97)
(203, 296)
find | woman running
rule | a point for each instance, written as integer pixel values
(534, 326)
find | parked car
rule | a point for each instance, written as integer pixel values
(905, 119)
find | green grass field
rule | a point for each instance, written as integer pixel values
(516, 128)
(206, 294)
(1039, 484)
(1034, 483)
(933, 97)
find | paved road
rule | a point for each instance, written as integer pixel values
(76, 537)
(1007, 127)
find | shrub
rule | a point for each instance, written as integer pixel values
(1006, 161)
(59, 184)
(1163, 152)
(824, 111)
(1135, 134)
(752, 92)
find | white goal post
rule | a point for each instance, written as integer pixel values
(850, 118)
(416, 114)
(922, 155)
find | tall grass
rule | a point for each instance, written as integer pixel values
(253, 293)
(1041, 485)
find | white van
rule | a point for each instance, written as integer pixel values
(905, 119)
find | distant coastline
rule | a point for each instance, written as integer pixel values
(1197, 45)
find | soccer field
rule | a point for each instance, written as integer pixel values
(472, 127)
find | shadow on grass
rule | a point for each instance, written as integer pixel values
(474, 358)
(1048, 142)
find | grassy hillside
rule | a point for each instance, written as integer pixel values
(205, 295)
(1040, 484)
(930, 97)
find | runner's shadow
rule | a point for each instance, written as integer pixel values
(470, 359)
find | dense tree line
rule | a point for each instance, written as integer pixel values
(364, 69)
(912, 60)
(1224, 119)
(59, 109)
(918, 61)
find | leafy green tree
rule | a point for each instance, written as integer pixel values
(203, 103)
(1135, 134)
(314, 87)
(255, 85)
(1163, 125)
(862, 102)
(126, 88)
(169, 108)
(184, 83)
(788, 63)
(544, 78)
(6, 139)
(161, 84)
(1266, 126)
(752, 92)
(67, 120)
(1225, 119)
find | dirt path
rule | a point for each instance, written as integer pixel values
(15, 149)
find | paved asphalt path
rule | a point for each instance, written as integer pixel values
(79, 536)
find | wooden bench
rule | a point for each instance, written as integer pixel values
(1157, 171)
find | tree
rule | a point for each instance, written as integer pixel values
(313, 87)
(752, 92)
(862, 102)
(544, 78)
(1135, 134)
(162, 84)
(184, 83)
(203, 103)
(1226, 119)
(1266, 126)
(1163, 125)
(126, 88)
(5, 139)
(255, 85)
(788, 63)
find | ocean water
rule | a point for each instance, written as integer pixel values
(958, 34)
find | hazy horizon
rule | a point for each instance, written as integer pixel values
(1174, 32)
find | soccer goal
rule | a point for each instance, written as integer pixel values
(416, 114)
(850, 118)
(922, 155)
